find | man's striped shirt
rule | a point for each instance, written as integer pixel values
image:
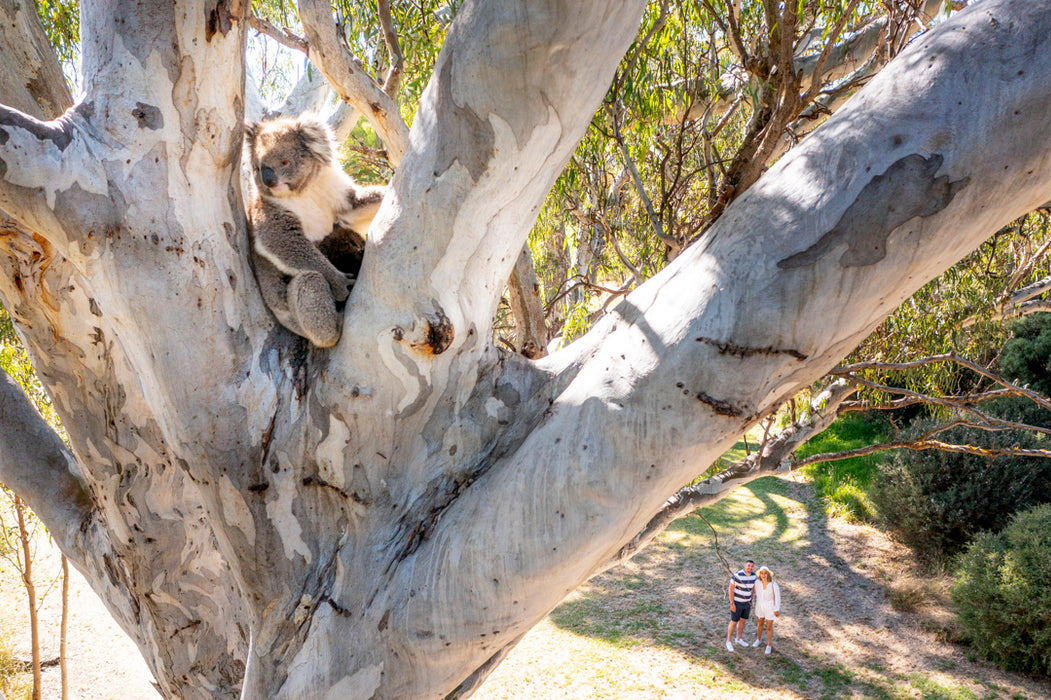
(743, 585)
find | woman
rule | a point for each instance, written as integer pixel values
(767, 606)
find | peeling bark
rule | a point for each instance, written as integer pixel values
(908, 189)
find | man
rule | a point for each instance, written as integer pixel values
(741, 591)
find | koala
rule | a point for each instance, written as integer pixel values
(306, 218)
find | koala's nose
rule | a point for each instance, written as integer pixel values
(269, 177)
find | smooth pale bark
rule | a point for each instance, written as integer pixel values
(386, 519)
(92, 192)
(31, 77)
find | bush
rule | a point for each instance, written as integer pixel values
(1003, 595)
(1026, 358)
(936, 502)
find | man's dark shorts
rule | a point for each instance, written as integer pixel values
(742, 611)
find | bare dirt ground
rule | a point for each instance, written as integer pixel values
(655, 628)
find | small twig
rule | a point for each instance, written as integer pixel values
(397, 57)
(919, 445)
(947, 357)
(819, 67)
(718, 551)
(580, 281)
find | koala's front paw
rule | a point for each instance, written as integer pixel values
(341, 290)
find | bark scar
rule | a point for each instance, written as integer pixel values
(722, 408)
(906, 190)
(148, 116)
(438, 336)
(745, 351)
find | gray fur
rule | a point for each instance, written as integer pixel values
(301, 197)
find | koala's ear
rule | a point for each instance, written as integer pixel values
(317, 138)
(251, 129)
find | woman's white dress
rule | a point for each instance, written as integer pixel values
(767, 599)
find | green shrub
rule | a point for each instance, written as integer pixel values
(1003, 595)
(1026, 357)
(936, 502)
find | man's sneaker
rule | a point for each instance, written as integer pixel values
(756, 643)
(768, 650)
(742, 642)
(729, 645)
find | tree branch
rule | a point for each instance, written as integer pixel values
(31, 78)
(36, 464)
(394, 52)
(329, 52)
(920, 445)
(38, 161)
(499, 116)
(640, 188)
(281, 35)
(530, 323)
(837, 60)
(852, 369)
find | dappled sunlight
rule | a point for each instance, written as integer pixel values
(655, 626)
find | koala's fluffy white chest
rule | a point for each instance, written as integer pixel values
(318, 205)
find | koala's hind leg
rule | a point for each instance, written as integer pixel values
(311, 305)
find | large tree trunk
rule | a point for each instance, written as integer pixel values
(387, 518)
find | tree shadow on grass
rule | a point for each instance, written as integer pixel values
(673, 595)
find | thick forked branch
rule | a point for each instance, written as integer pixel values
(695, 356)
(507, 104)
(332, 57)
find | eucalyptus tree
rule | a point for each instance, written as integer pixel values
(388, 518)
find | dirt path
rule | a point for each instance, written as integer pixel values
(655, 628)
(103, 663)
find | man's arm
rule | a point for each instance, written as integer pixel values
(733, 606)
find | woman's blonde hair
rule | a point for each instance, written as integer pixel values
(768, 572)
